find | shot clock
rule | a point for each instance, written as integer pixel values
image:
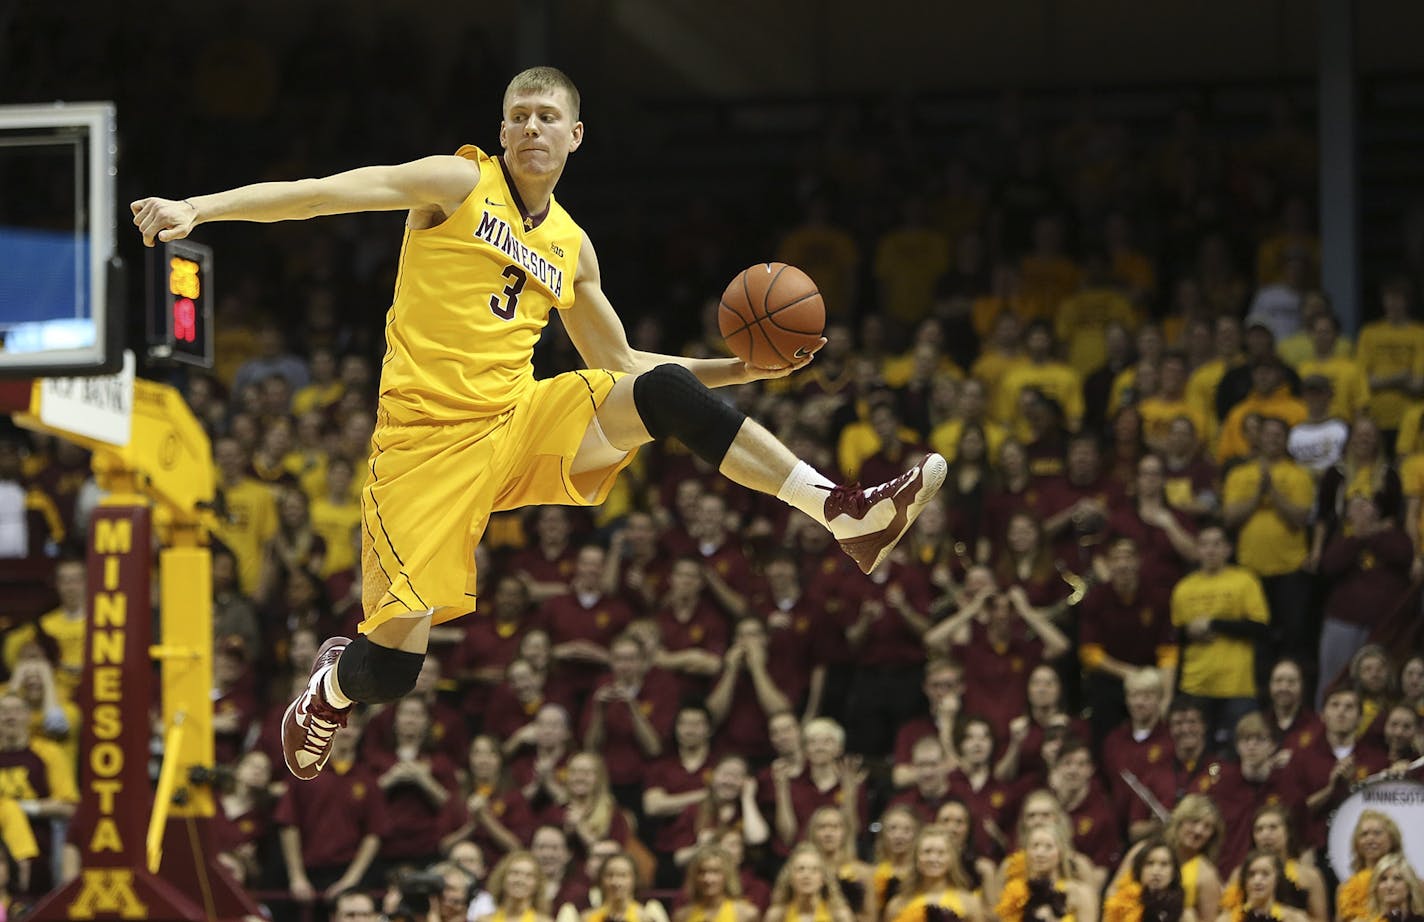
(180, 316)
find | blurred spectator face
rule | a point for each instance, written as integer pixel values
(641, 534)
(1213, 548)
(954, 817)
(467, 856)
(322, 365)
(1039, 343)
(828, 831)
(520, 878)
(1044, 689)
(613, 871)
(1260, 344)
(1072, 771)
(1323, 335)
(1040, 810)
(782, 576)
(301, 590)
(712, 877)
(1400, 728)
(685, 580)
(1228, 337)
(933, 855)
(1286, 687)
(979, 579)
(1254, 749)
(727, 780)
(551, 851)
(627, 662)
(1411, 679)
(301, 650)
(710, 518)
(355, 372)
(686, 498)
(1361, 514)
(294, 509)
(510, 599)
(1172, 380)
(751, 633)
(1364, 440)
(354, 907)
(1188, 730)
(1144, 704)
(971, 400)
(14, 719)
(928, 762)
(485, 763)
(1273, 439)
(254, 771)
(1181, 437)
(822, 747)
(785, 734)
(692, 729)
(898, 832)
(588, 569)
(1123, 562)
(1342, 713)
(454, 898)
(230, 459)
(977, 744)
(1150, 344)
(275, 395)
(552, 526)
(534, 649)
(70, 580)
(228, 667)
(553, 726)
(356, 435)
(1373, 672)
(1269, 831)
(412, 719)
(941, 681)
(338, 476)
(582, 775)
(1150, 477)
(884, 423)
(524, 681)
(1083, 460)
(1022, 535)
(972, 446)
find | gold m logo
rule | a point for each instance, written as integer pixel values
(110, 892)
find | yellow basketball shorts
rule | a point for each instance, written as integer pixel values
(431, 489)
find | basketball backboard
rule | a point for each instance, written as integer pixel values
(60, 305)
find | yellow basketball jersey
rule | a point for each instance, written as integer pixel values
(472, 297)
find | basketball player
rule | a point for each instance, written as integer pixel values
(463, 428)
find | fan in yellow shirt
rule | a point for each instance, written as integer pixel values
(1351, 388)
(1391, 352)
(335, 516)
(1215, 608)
(826, 253)
(1160, 410)
(1201, 386)
(1083, 316)
(1270, 501)
(65, 626)
(1043, 373)
(909, 260)
(247, 513)
(1269, 396)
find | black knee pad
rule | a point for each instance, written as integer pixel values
(372, 674)
(672, 402)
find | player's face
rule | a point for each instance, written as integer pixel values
(539, 132)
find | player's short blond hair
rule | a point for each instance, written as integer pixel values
(543, 80)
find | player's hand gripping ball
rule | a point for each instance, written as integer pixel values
(772, 316)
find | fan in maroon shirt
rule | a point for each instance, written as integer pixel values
(629, 716)
(582, 622)
(1329, 767)
(448, 733)
(1075, 506)
(547, 567)
(234, 702)
(795, 622)
(783, 729)
(725, 567)
(1139, 744)
(692, 633)
(1097, 828)
(495, 817)
(588, 811)
(887, 639)
(1023, 760)
(490, 643)
(243, 817)
(679, 779)
(1028, 562)
(639, 563)
(537, 759)
(1016, 492)
(931, 784)
(1255, 781)
(990, 801)
(1190, 477)
(830, 780)
(1293, 725)
(514, 704)
(331, 827)
(1401, 735)
(1123, 625)
(896, 453)
(944, 690)
(1189, 770)
(1164, 537)
(745, 695)
(417, 780)
(564, 881)
(730, 806)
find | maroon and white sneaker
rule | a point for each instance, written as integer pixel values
(310, 722)
(868, 523)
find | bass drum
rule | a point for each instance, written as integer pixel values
(1401, 801)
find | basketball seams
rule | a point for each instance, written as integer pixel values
(770, 334)
(771, 316)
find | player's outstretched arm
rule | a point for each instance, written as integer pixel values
(431, 183)
(598, 334)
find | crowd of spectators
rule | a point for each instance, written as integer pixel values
(1155, 628)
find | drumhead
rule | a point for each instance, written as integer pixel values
(1401, 801)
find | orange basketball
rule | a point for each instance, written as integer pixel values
(771, 315)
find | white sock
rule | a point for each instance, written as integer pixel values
(332, 690)
(806, 489)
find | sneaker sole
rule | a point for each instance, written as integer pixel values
(932, 476)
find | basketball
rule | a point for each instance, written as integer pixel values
(771, 315)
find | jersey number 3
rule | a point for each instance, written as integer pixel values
(517, 278)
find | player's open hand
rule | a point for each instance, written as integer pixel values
(163, 219)
(798, 362)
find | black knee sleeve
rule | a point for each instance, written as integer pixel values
(372, 674)
(672, 402)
